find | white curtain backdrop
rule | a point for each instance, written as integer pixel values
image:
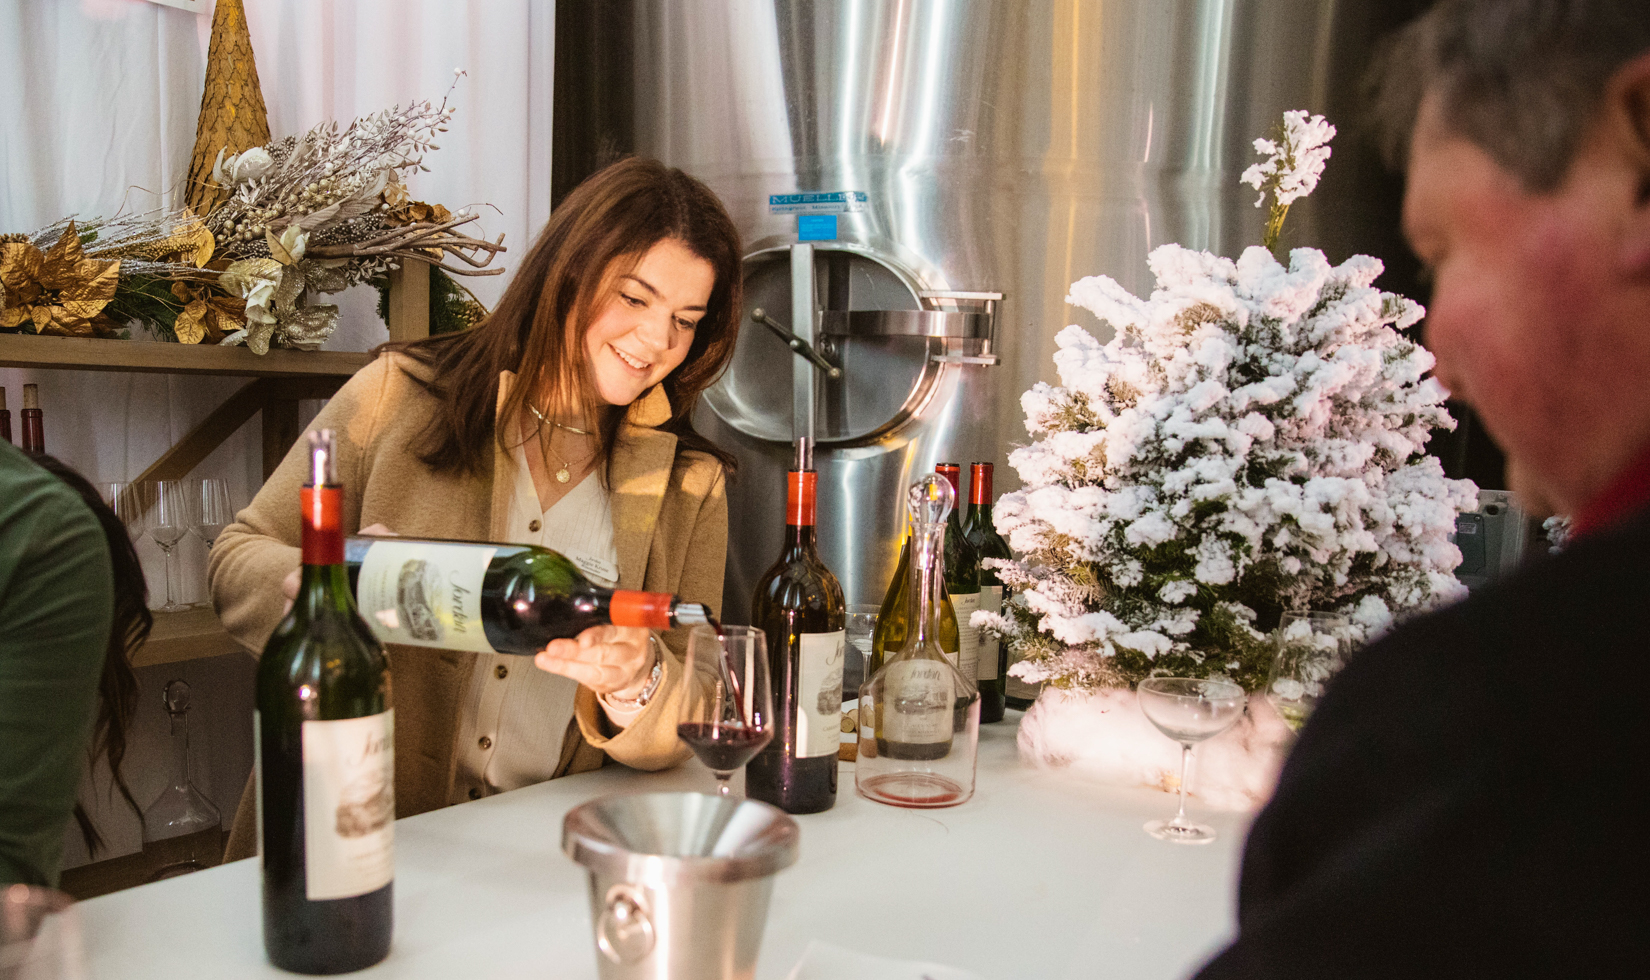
(98, 102)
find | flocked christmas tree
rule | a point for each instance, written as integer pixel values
(1250, 441)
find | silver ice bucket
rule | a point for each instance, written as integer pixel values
(679, 882)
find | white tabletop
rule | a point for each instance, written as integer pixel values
(1041, 874)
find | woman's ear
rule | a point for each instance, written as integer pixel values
(1627, 100)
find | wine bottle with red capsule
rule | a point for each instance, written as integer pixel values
(799, 605)
(982, 534)
(324, 750)
(962, 576)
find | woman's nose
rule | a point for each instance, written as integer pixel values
(658, 332)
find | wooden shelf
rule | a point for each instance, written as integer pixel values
(153, 357)
(189, 634)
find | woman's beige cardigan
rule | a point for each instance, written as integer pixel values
(670, 529)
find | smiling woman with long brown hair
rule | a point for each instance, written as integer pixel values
(564, 420)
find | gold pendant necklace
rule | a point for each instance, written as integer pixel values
(564, 472)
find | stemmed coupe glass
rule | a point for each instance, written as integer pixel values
(169, 520)
(1311, 646)
(1188, 710)
(727, 704)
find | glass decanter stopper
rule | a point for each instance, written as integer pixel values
(182, 830)
(919, 717)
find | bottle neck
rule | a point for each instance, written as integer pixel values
(925, 584)
(180, 749)
(801, 513)
(324, 586)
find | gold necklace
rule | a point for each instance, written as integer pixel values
(564, 472)
(560, 425)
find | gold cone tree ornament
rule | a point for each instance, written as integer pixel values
(233, 118)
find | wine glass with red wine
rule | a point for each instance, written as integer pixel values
(727, 704)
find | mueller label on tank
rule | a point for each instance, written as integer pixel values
(424, 594)
(818, 202)
(349, 806)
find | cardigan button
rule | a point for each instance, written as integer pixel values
(533, 525)
(501, 672)
(484, 742)
(475, 793)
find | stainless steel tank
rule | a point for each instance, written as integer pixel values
(1002, 146)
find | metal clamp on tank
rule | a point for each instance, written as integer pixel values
(968, 326)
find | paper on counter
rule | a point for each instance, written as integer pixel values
(825, 961)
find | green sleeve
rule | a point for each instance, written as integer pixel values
(56, 603)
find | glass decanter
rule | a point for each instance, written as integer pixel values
(182, 830)
(919, 717)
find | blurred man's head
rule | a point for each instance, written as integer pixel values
(1525, 126)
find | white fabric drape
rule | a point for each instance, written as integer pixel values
(98, 102)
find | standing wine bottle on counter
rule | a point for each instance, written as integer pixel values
(325, 755)
(5, 417)
(982, 534)
(492, 598)
(962, 576)
(799, 606)
(34, 425)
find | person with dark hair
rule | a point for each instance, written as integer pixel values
(564, 419)
(1464, 801)
(56, 607)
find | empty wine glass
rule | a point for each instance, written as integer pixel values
(1310, 646)
(212, 513)
(1188, 710)
(123, 499)
(727, 705)
(860, 626)
(169, 520)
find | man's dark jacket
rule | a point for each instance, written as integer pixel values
(1471, 798)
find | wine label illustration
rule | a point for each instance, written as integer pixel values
(917, 702)
(424, 594)
(819, 693)
(349, 805)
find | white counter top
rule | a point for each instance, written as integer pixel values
(1041, 874)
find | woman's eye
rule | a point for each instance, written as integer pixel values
(634, 301)
(686, 324)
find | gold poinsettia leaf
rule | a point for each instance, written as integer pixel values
(191, 323)
(258, 335)
(198, 238)
(42, 316)
(14, 317)
(19, 265)
(289, 289)
(277, 251)
(440, 213)
(66, 324)
(92, 289)
(57, 269)
(181, 290)
(309, 327)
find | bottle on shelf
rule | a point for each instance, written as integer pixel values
(893, 621)
(491, 598)
(799, 605)
(34, 431)
(919, 716)
(182, 829)
(982, 534)
(325, 755)
(5, 417)
(962, 576)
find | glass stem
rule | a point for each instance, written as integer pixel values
(1185, 757)
(170, 600)
(722, 783)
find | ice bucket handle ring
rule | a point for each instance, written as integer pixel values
(624, 933)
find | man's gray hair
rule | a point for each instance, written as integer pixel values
(1522, 79)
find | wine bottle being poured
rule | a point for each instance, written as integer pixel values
(492, 598)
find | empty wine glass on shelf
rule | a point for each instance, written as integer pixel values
(212, 513)
(1310, 647)
(727, 704)
(168, 521)
(1188, 710)
(122, 498)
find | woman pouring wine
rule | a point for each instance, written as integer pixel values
(562, 420)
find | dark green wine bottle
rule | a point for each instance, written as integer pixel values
(492, 598)
(798, 604)
(325, 755)
(982, 534)
(962, 577)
